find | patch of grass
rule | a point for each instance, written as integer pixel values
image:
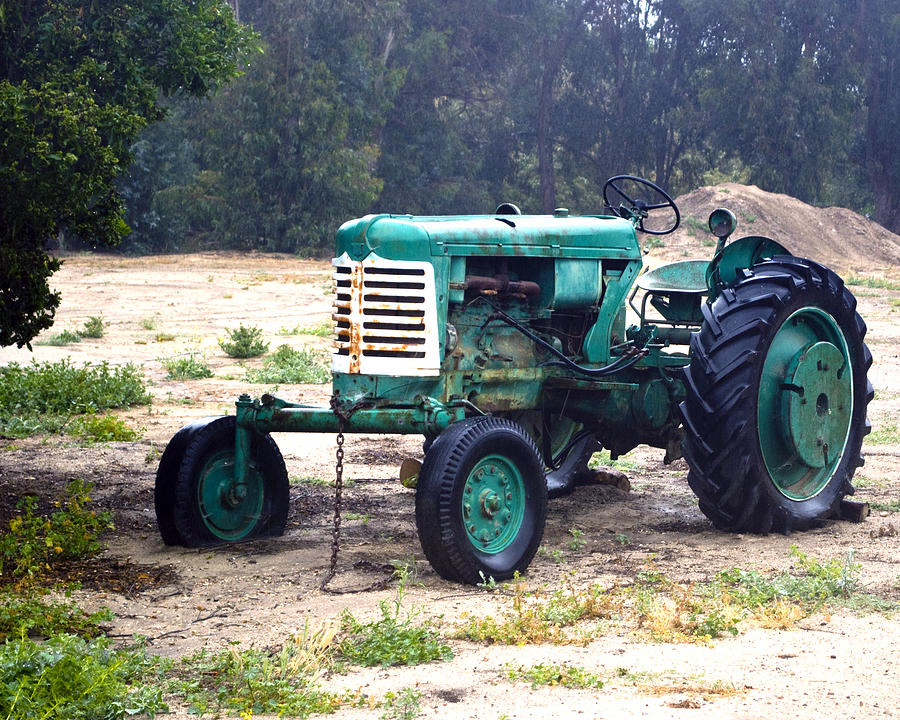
(24, 614)
(401, 705)
(66, 337)
(604, 459)
(694, 225)
(539, 617)
(393, 639)
(251, 682)
(164, 337)
(148, 323)
(33, 542)
(244, 342)
(41, 397)
(893, 506)
(287, 365)
(93, 327)
(186, 367)
(884, 432)
(551, 674)
(101, 428)
(323, 329)
(68, 677)
(872, 282)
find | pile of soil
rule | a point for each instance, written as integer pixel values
(839, 238)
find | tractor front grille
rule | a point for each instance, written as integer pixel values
(385, 317)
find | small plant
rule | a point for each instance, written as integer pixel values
(186, 367)
(249, 682)
(550, 674)
(164, 337)
(287, 365)
(556, 555)
(392, 639)
(24, 614)
(885, 432)
(694, 225)
(401, 705)
(102, 428)
(148, 323)
(33, 542)
(68, 677)
(93, 327)
(244, 342)
(577, 542)
(66, 337)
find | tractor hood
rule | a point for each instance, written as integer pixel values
(405, 237)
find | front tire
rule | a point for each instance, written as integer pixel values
(481, 501)
(775, 411)
(210, 508)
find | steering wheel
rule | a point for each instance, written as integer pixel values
(637, 208)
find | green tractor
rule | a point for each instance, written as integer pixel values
(518, 345)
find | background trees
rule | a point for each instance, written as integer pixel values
(78, 81)
(425, 107)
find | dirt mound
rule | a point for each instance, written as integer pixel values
(836, 237)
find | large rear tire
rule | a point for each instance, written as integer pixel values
(775, 411)
(210, 508)
(481, 501)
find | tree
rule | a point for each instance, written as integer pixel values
(78, 81)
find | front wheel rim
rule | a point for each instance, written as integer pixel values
(230, 511)
(805, 406)
(493, 504)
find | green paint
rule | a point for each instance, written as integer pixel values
(493, 504)
(805, 403)
(229, 509)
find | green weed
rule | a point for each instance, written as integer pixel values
(101, 428)
(66, 337)
(893, 506)
(93, 327)
(694, 225)
(186, 367)
(393, 639)
(25, 614)
(164, 337)
(251, 682)
(884, 432)
(323, 329)
(41, 397)
(148, 323)
(401, 705)
(244, 342)
(287, 365)
(872, 282)
(551, 674)
(604, 459)
(539, 617)
(577, 542)
(34, 542)
(68, 677)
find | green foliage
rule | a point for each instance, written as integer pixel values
(68, 677)
(93, 327)
(101, 428)
(186, 367)
(820, 581)
(564, 675)
(401, 705)
(24, 614)
(251, 682)
(77, 84)
(66, 337)
(287, 365)
(39, 397)
(244, 342)
(872, 282)
(393, 639)
(34, 542)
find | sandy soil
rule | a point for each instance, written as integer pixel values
(840, 665)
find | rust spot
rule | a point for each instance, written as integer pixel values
(355, 348)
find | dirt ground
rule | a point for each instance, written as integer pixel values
(837, 665)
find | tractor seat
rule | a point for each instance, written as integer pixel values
(686, 276)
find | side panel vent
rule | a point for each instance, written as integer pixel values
(385, 317)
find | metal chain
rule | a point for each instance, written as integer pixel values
(338, 501)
